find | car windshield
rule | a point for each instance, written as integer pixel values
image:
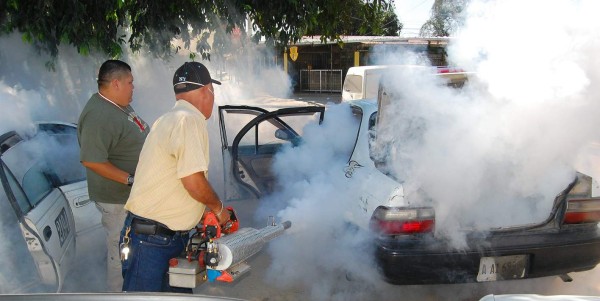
(353, 83)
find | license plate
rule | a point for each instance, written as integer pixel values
(62, 226)
(502, 268)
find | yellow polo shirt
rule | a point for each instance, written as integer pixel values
(176, 147)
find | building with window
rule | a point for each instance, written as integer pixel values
(320, 67)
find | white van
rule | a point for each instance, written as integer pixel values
(362, 82)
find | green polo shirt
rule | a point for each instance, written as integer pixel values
(107, 133)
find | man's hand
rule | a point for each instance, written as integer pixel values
(198, 187)
(224, 217)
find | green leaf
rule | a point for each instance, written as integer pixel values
(153, 25)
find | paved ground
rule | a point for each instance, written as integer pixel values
(322, 98)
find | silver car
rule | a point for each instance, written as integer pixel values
(47, 215)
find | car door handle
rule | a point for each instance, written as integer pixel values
(47, 233)
(82, 203)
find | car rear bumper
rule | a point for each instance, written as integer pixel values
(435, 263)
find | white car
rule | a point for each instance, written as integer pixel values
(47, 215)
(408, 251)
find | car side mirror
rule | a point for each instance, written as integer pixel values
(283, 134)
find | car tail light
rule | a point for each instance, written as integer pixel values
(584, 210)
(581, 206)
(443, 69)
(403, 220)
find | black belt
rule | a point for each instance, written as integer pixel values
(150, 227)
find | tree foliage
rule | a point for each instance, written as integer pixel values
(357, 17)
(108, 26)
(446, 18)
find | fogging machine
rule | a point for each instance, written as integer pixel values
(216, 253)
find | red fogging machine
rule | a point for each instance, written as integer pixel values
(216, 253)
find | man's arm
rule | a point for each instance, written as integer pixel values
(199, 188)
(107, 170)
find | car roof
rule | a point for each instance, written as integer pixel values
(11, 138)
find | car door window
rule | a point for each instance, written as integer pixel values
(32, 188)
(19, 196)
(248, 156)
(36, 184)
(32, 169)
(62, 155)
(264, 137)
(378, 149)
(256, 147)
(372, 85)
(353, 83)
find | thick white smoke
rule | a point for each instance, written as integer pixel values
(495, 153)
(322, 249)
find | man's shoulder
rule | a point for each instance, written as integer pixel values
(96, 107)
(98, 114)
(94, 100)
(175, 113)
(181, 117)
(91, 105)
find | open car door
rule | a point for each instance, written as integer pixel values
(250, 137)
(44, 184)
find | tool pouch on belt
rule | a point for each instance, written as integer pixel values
(144, 227)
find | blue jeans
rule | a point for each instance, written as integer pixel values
(147, 264)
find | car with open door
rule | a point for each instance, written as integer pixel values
(47, 215)
(250, 137)
(408, 249)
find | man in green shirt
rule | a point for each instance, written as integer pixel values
(111, 137)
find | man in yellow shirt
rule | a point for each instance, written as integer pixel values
(171, 190)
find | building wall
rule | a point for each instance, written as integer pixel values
(334, 57)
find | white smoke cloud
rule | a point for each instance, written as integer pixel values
(497, 153)
(494, 154)
(321, 249)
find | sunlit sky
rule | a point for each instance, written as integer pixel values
(412, 13)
